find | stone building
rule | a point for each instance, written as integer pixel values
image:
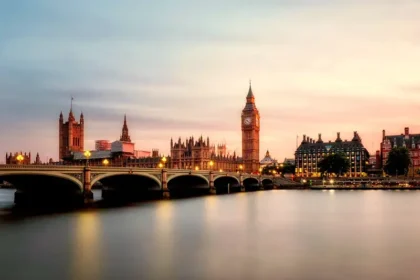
(71, 135)
(311, 152)
(201, 155)
(267, 160)
(250, 124)
(19, 158)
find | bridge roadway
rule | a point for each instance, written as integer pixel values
(51, 182)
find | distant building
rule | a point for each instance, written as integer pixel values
(410, 141)
(289, 161)
(102, 145)
(200, 154)
(311, 152)
(141, 154)
(14, 159)
(267, 160)
(71, 135)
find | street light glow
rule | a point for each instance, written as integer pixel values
(105, 162)
(87, 154)
(160, 165)
(196, 168)
(164, 159)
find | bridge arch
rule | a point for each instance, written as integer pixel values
(251, 183)
(226, 184)
(185, 175)
(181, 185)
(107, 175)
(15, 177)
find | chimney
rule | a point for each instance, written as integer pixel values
(383, 134)
(304, 138)
(406, 131)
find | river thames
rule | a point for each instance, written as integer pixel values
(279, 234)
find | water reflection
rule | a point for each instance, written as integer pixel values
(86, 248)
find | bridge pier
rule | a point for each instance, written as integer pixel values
(211, 183)
(87, 187)
(241, 182)
(164, 182)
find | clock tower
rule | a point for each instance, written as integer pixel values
(250, 123)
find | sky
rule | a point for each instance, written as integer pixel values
(181, 68)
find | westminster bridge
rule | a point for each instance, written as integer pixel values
(55, 182)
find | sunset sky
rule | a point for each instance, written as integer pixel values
(181, 68)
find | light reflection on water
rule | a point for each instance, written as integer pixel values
(261, 235)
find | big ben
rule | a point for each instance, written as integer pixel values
(250, 123)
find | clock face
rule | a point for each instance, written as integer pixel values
(247, 121)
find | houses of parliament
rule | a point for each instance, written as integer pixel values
(192, 154)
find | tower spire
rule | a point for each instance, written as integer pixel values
(124, 135)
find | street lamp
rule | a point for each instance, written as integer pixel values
(211, 163)
(240, 168)
(19, 158)
(260, 170)
(196, 168)
(87, 155)
(164, 160)
(160, 165)
(221, 170)
(105, 162)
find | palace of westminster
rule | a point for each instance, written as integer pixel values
(200, 154)
(193, 154)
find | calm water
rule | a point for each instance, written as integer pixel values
(262, 235)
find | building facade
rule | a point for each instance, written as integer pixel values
(102, 145)
(267, 160)
(250, 124)
(410, 141)
(71, 135)
(311, 152)
(19, 158)
(200, 155)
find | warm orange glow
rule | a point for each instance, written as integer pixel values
(164, 159)
(19, 158)
(211, 163)
(221, 170)
(196, 168)
(241, 167)
(87, 154)
(105, 162)
(160, 165)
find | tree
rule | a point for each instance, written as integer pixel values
(336, 163)
(398, 161)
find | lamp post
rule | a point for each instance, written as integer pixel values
(260, 170)
(211, 163)
(87, 155)
(105, 162)
(240, 168)
(160, 165)
(19, 158)
(197, 168)
(164, 161)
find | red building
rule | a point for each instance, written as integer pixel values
(410, 141)
(71, 135)
(18, 158)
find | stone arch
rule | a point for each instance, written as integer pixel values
(41, 173)
(267, 181)
(106, 175)
(192, 174)
(223, 176)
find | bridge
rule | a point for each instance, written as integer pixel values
(52, 182)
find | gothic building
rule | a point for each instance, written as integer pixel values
(250, 123)
(19, 158)
(124, 135)
(311, 152)
(201, 155)
(71, 135)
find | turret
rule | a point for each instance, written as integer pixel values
(338, 138)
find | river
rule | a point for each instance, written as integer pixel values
(279, 234)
